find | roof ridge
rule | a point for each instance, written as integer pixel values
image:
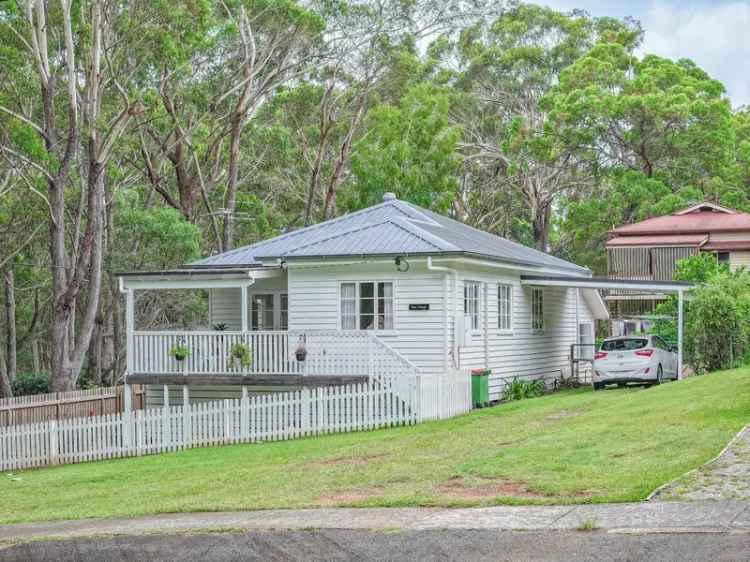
(423, 234)
(365, 227)
(302, 230)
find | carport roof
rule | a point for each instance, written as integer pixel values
(605, 283)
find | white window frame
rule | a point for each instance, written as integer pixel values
(357, 283)
(500, 288)
(537, 310)
(476, 321)
(276, 294)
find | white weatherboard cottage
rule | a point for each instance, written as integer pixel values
(440, 295)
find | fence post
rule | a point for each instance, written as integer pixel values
(371, 356)
(305, 410)
(227, 424)
(127, 437)
(54, 443)
(166, 438)
(244, 415)
(186, 425)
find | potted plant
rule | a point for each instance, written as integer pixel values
(179, 351)
(301, 352)
(240, 354)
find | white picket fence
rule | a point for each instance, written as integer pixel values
(382, 402)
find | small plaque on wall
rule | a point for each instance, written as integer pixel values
(419, 307)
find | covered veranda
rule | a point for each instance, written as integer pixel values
(211, 358)
(679, 288)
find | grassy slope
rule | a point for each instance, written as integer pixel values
(576, 446)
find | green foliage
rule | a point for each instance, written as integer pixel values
(27, 384)
(700, 268)
(519, 389)
(179, 351)
(152, 238)
(717, 331)
(240, 355)
(410, 149)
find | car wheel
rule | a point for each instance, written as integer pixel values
(598, 386)
(659, 374)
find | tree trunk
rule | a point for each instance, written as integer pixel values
(6, 389)
(540, 219)
(231, 197)
(342, 160)
(10, 326)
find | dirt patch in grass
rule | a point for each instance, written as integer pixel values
(346, 497)
(348, 461)
(561, 415)
(461, 489)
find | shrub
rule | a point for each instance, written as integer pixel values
(518, 389)
(26, 384)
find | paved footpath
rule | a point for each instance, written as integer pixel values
(725, 478)
(646, 517)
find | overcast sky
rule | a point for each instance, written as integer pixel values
(715, 34)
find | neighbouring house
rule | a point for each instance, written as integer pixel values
(649, 251)
(392, 287)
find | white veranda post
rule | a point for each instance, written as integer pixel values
(679, 333)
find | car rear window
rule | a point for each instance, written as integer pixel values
(624, 345)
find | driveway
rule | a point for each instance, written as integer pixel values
(725, 478)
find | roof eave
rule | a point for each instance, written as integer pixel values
(443, 253)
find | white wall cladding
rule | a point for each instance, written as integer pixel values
(522, 352)
(418, 335)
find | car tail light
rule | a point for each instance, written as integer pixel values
(645, 352)
(600, 355)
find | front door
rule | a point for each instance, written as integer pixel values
(269, 311)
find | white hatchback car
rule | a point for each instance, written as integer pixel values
(640, 359)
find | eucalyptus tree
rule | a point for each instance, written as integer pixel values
(65, 99)
(370, 47)
(209, 87)
(506, 66)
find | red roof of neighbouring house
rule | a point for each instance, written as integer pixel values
(727, 245)
(663, 240)
(703, 218)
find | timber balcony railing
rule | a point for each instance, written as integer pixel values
(329, 353)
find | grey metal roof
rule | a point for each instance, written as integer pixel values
(392, 227)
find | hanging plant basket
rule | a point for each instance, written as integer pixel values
(179, 352)
(240, 355)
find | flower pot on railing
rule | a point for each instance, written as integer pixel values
(301, 352)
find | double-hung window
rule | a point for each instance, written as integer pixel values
(537, 309)
(504, 307)
(471, 302)
(367, 305)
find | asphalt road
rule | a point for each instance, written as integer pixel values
(332, 544)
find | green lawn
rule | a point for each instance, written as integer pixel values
(575, 446)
